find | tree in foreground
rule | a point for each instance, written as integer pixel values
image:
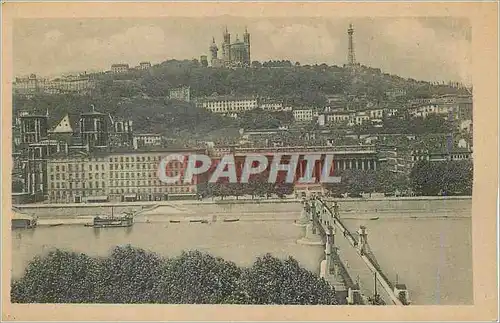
(133, 275)
(274, 281)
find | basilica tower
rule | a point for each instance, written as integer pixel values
(226, 47)
(246, 40)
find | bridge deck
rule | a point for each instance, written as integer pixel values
(328, 218)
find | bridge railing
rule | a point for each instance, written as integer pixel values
(370, 257)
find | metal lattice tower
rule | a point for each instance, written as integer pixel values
(351, 58)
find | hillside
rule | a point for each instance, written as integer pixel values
(142, 95)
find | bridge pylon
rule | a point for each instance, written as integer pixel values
(312, 236)
(304, 215)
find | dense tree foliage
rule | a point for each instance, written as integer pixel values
(132, 275)
(284, 282)
(445, 178)
(256, 186)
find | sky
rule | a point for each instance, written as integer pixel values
(431, 49)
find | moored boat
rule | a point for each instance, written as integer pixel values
(374, 218)
(126, 220)
(115, 222)
(231, 220)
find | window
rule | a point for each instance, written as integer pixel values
(63, 176)
(96, 175)
(57, 176)
(90, 167)
(103, 185)
(57, 168)
(51, 177)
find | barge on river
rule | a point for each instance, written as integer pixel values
(113, 222)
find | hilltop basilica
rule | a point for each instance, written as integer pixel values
(235, 54)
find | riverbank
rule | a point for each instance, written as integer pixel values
(231, 201)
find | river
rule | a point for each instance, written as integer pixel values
(426, 244)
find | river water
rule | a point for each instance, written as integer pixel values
(426, 244)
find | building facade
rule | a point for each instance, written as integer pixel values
(303, 114)
(147, 140)
(144, 65)
(119, 68)
(182, 93)
(82, 84)
(224, 105)
(115, 176)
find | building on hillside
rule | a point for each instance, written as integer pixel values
(119, 68)
(304, 114)
(466, 125)
(391, 112)
(362, 117)
(337, 117)
(376, 113)
(147, 140)
(271, 105)
(395, 93)
(81, 84)
(336, 99)
(117, 175)
(144, 65)
(229, 104)
(182, 93)
(440, 155)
